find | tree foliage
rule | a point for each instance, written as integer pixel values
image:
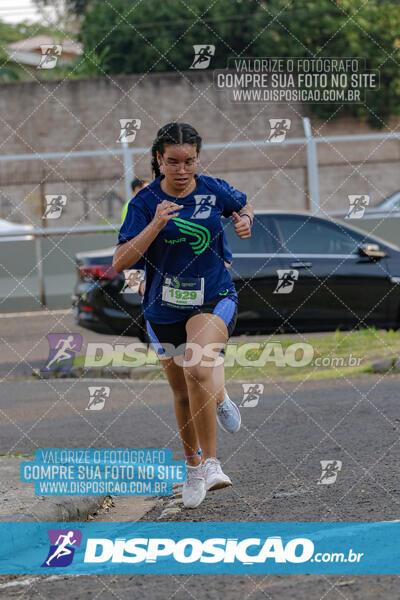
(346, 28)
(153, 36)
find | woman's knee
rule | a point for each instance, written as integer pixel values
(181, 397)
(197, 374)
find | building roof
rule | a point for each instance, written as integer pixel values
(33, 45)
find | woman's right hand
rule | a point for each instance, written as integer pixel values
(165, 211)
(137, 246)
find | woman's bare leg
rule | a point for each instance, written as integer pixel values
(219, 382)
(177, 381)
(203, 329)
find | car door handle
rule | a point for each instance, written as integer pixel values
(301, 265)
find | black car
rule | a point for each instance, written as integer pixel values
(296, 273)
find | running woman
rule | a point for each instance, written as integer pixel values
(175, 225)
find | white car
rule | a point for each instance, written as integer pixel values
(8, 227)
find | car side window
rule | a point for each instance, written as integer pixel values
(308, 235)
(260, 241)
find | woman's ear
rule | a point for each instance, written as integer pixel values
(160, 163)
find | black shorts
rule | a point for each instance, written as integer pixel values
(175, 333)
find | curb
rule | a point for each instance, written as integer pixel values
(60, 510)
(99, 372)
(32, 507)
(389, 365)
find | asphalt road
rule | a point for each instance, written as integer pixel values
(23, 342)
(274, 463)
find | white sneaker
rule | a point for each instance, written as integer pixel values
(194, 488)
(214, 475)
(228, 415)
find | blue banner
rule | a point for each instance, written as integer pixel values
(213, 548)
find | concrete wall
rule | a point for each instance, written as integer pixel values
(84, 114)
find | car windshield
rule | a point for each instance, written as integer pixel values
(301, 234)
(391, 203)
(307, 235)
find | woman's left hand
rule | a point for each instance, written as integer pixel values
(242, 226)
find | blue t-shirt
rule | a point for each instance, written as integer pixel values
(192, 246)
(140, 264)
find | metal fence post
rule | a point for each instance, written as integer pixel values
(128, 170)
(39, 264)
(312, 166)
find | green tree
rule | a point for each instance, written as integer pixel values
(344, 28)
(153, 36)
(133, 36)
(9, 71)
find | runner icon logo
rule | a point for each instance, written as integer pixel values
(54, 206)
(97, 397)
(133, 278)
(278, 130)
(204, 204)
(202, 56)
(61, 551)
(129, 127)
(62, 351)
(251, 394)
(357, 206)
(330, 470)
(286, 280)
(50, 54)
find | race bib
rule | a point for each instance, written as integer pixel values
(182, 292)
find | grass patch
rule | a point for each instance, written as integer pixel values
(335, 354)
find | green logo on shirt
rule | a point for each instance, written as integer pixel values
(200, 234)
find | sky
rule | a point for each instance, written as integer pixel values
(14, 11)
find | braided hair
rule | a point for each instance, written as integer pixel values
(173, 133)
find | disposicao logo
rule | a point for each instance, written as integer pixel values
(190, 550)
(63, 347)
(62, 542)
